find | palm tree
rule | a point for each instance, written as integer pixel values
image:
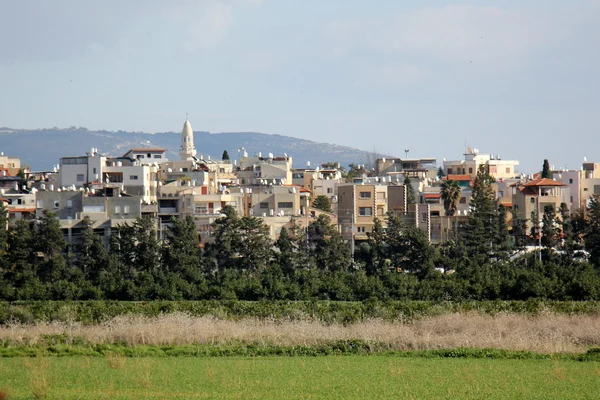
(450, 195)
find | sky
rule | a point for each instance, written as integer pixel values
(518, 79)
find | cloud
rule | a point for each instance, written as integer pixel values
(490, 35)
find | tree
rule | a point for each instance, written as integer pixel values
(482, 227)
(377, 244)
(408, 247)
(327, 248)
(240, 243)
(592, 234)
(322, 203)
(355, 171)
(3, 232)
(225, 156)
(49, 242)
(286, 255)
(91, 255)
(550, 227)
(410, 191)
(440, 172)
(546, 170)
(450, 193)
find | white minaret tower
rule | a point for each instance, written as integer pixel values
(187, 150)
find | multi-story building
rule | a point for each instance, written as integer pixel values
(359, 205)
(136, 176)
(497, 167)
(530, 198)
(414, 168)
(108, 210)
(11, 165)
(259, 170)
(582, 184)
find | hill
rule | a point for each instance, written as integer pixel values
(42, 148)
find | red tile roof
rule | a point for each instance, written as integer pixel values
(461, 177)
(432, 195)
(544, 182)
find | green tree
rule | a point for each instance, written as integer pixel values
(440, 172)
(286, 252)
(326, 246)
(49, 242)
(377, 242)
(410, 191)
(592, 233)
(91, 255)
(225, 156)
(450, 193)
(322, 203)
(550, 227)
(3, 233)
(355, 171)
(546, 170)
(408, 247)
(240, 243)
(482, 228)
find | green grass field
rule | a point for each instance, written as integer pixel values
(333, 377)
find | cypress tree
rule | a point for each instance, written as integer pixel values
(546, 170)
(322, 203)
(225, 156)
(592, 234)
(410, 192)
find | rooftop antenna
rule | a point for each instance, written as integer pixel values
(406, 153)
(186, 116)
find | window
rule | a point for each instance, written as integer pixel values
(56, 203)
(69, 203)
(133, 177)
(596, 189)
(264, 205)
(40, 204)
(449, 171)
(185, 169)
(149, 155)
(470, 170)
(463, 200)
(508, 170)
(570, 180)
(365, 211)
(533, 215)
(80, 178)
(222, 170)
(532, 200)
(94, 170)
(423, 217)
(158, 156)
(126, 210)
(117, 209)
(365, 195)
(329, 190)
(285, 204)
(585, 189)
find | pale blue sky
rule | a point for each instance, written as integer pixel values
(516, 78)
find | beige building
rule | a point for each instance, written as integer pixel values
(359, 205)
(497, 167)
(11, 165)
(530, 198)
(582, 184)
(259, 170)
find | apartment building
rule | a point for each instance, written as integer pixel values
(108, 210)
(582, 184)
(497, 167)
(359, 205)
(11, 165)
(530, 198)
(259, 170)
(414, 168)
(321, 182)
(131, 175)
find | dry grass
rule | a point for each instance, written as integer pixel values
(548, 333)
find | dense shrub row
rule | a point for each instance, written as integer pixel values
(326, 311)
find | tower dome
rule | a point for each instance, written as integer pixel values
(187, 151)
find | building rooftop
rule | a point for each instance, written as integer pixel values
(543, 182)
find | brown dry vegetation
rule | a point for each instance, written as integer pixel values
(547, 332)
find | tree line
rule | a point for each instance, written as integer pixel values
(481, 262)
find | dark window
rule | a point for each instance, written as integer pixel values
(285, 204)
(365, 195)
(365, 211)
(264, 205)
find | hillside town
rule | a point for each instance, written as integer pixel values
(435, 197)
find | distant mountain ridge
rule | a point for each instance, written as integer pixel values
(42, 148)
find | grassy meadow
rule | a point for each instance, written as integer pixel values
(336, 377)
